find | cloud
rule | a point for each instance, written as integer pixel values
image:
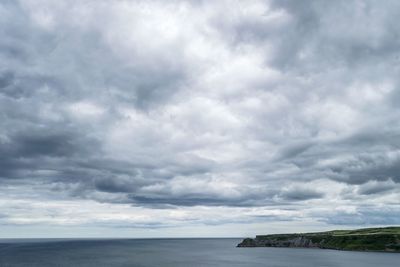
(375, 187)
(300, 193)
(366, 216)
(193, 104)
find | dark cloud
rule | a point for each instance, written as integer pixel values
(6, 79)
(294, 150)
(114, 185)
(300, 194)
(375, 187)
(365, 168)
(206, 199)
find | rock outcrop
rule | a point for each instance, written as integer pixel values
(300, 241)
(371, 239)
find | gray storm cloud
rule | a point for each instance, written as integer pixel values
(283, 105)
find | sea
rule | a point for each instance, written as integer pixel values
(176, 253)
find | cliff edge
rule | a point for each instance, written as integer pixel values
(368, 239)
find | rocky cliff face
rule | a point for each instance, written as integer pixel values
(299, 241)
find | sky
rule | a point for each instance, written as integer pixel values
(198, 118)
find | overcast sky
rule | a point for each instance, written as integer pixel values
(198, 118)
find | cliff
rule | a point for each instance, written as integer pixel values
(369, 239)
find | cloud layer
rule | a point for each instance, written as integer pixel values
(157, 114)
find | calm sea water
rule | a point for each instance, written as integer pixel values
(177, 252)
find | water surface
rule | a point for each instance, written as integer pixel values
(177, 252)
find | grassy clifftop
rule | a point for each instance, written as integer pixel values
(368, 239)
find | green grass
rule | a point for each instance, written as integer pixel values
(367, 239)
(365, 231)
(369, 231)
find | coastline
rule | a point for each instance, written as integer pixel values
(365, 240)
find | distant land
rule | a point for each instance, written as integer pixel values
(368, 239)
